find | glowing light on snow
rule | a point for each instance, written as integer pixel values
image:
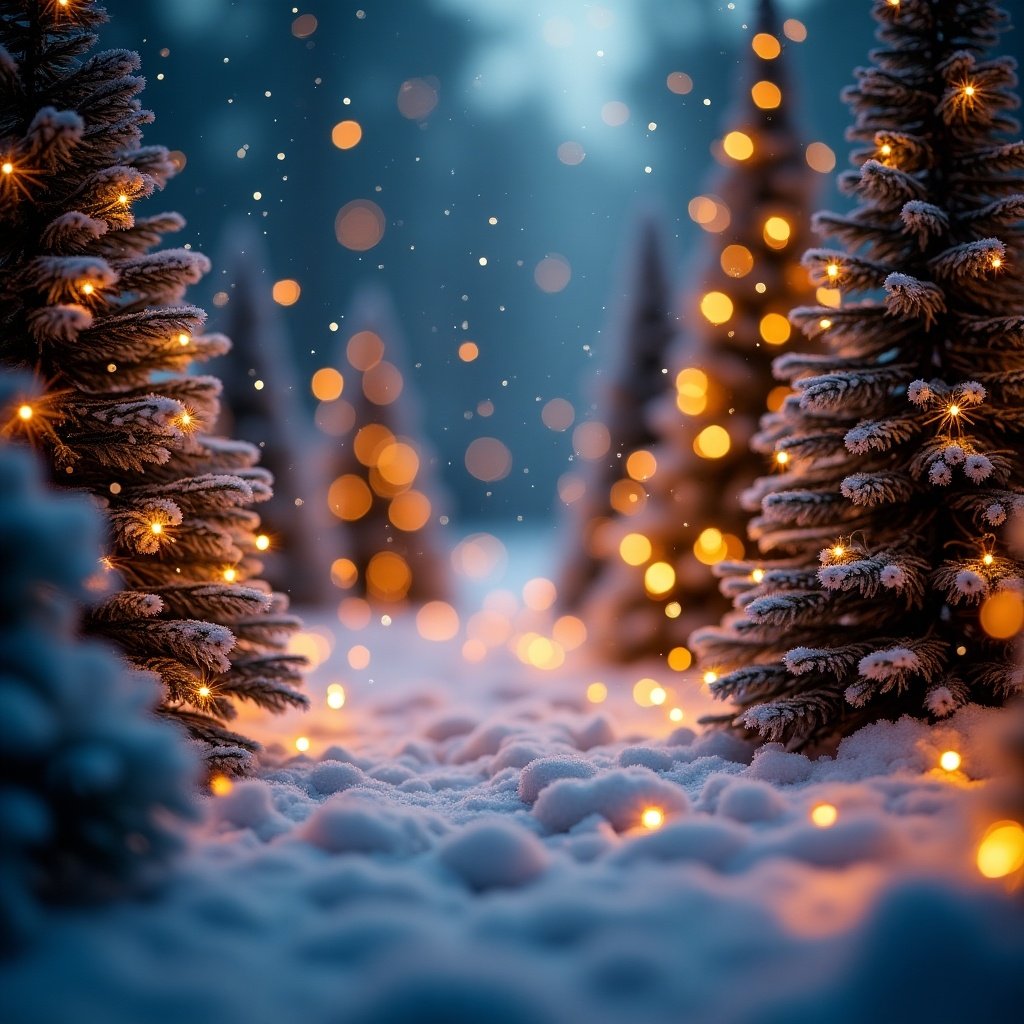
(230, 575)
(183, 340)
(949, 761)
(757, 575)
(203, 692)
(302, 744)
(221, 785)
(652, 818)
(824, 815)
(156, 528)
(832, 271)
(1001, 850)
(88, 288)
(335, 696)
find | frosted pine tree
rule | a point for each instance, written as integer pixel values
(658, 585)
(614, 484)
(382, 471)
(90, 781)
(905, 441)
(261, 403)
(101, 322)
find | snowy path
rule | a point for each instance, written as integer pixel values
(411, 868)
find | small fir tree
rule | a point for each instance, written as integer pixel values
(382, 478)
(261, 403)
(613, 484)
(905, 441)
(658, 586)
(91, 782)
(99, 318)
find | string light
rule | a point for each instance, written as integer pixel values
(757, 575)
(825, 323)
(710, 677)
(832, 270)
(262, 542)
(203, 692)
(185, 419)
(969, 91)
(25, 413)
(838, 551)
(183, 339)
(781, 458)
(122, 199)
(156, 528)
(88, 288)
(230, 575)
(7, 167)
(997, 262)
(988, 558)
(824, 815)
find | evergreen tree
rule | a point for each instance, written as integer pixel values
(382, 484)
(99, 318)
(90, 781)
(905, 440)
(658, 586)
(637, 380)
(261, 403)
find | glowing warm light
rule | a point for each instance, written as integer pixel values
(346, 134)
(221, 785)
(953, 410)
(652, 818)
(635, 549)
(539, 594)
(344, 573)
(203, 692)
(969, 91)
(831, 297)
(569, 631)
(717, 307)
(675, 714)
(88, 288)
(738, 145)
(766, 46)
(286, 292)
(409, 511)
(988, 558)
(838, 551)
(824, 815)
(776, 232)
(820, 158)
(437, 621)
(1002, 614)
(183, 340)
(327, 384)
(156, 528)
(468, 351)
(335, 696)
(388, 576)
(832, 271)
(794, 30)
(7, 167)
(641, 465)
(712, 442)
(766, 95)
(949, 761)
(25, 412)
(648, 692)
(781, 458)
(658, 696)
(824, 323)
(659, 578)
(349, 497)
(302, 744)
(123, 200)
(997, 262)
(709, 677)
(1001, 850)
(757, 575)
(358, 656)
(710, 546)
(364, 350)
(230, 575)
(775, 329)
(398, 464)
(737, 260)
(885, 149)
(679, 659)
(262, 542)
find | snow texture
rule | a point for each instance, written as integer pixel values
(465, 844)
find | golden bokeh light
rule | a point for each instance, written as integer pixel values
(370, 441)
(569, 631)
(335, 696)
(539, 594)
(1001, 850)
(1002, 614)
(398, 463)
(286, 292)
(738, 145)
(776, 232)
(737, 260)
(344, 573)
(327, 384)
(468, 351)
(349, 497)
(597, 693)
(647, 691)
(950, 760)
(679, 659)
(221, 785)
(388, 576)
(437, 621)
(409, 511)
(717, 307)
(710, 547)
(710, 213)
(358, 657)
(346, 134)
(775, 328)
(635, 549)
(652, 818)
(627, 497)
(766, 95)
(712, 442)
(641, 465)
(824, 815)
(766, 46)
(659, 578)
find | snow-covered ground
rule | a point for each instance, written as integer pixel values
(464, 841)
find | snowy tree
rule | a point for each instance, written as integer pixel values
(382, 484)
(905, 440)
(261, 403)
(613, 485)
(90, 780)
(657, 586)
(100, 320)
